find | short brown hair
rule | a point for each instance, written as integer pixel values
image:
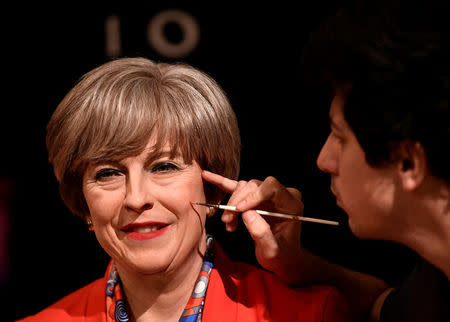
(113, 110)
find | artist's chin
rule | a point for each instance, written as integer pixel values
(362, 230)
(339, 203)
(356, 229)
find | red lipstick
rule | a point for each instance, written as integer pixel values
(145, 230)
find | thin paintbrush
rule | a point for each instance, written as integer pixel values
(273, 214)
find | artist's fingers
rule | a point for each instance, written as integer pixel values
(231, 222)
(225, 184)
(241, 190)
(287, 200)
(229, 186)
(230, 219)
(295, 193)
(260, 231)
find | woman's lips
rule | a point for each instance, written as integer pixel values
(145, 230)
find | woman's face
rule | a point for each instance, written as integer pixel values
(142, 213)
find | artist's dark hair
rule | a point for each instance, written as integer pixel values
(394, 56)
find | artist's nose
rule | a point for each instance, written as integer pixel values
(139, 196)
(327, 159)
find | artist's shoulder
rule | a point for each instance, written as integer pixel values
(86, 304)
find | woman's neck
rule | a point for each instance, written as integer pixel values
(162, 296)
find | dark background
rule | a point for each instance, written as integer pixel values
(254, 54)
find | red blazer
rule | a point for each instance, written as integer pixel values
(236, 292)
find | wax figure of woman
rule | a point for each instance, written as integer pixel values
(386, 63)
(128, 144)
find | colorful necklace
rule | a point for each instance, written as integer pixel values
(116, 308)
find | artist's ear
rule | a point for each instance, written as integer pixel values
(412, 165)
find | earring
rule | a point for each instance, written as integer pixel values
(211, 211)
(90, 224)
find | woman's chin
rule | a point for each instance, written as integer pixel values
(147, 266)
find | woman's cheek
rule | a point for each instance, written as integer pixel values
(103, 205)
(183, 195)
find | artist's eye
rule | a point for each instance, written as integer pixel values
(105, 173)
(164, 167)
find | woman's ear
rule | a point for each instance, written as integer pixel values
(89, 223)
(412, 164)
(210, 212)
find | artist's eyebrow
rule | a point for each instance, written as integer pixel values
(334, 125)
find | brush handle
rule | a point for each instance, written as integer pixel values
(285, 216)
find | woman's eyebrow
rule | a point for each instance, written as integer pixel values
(152, 155)
(114, 163)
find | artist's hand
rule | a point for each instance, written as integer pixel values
(276, 240)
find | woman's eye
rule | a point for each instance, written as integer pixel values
(164, 167)
(106, 173)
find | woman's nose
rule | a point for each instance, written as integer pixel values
(138, 196)
(326, 161)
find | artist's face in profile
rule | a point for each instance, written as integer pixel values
(142, 213)
(365, 193)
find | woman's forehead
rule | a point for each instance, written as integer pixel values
(158, 149)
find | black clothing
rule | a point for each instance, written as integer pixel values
(424, 296)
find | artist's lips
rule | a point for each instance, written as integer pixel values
(335, 192)
(145, 230)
